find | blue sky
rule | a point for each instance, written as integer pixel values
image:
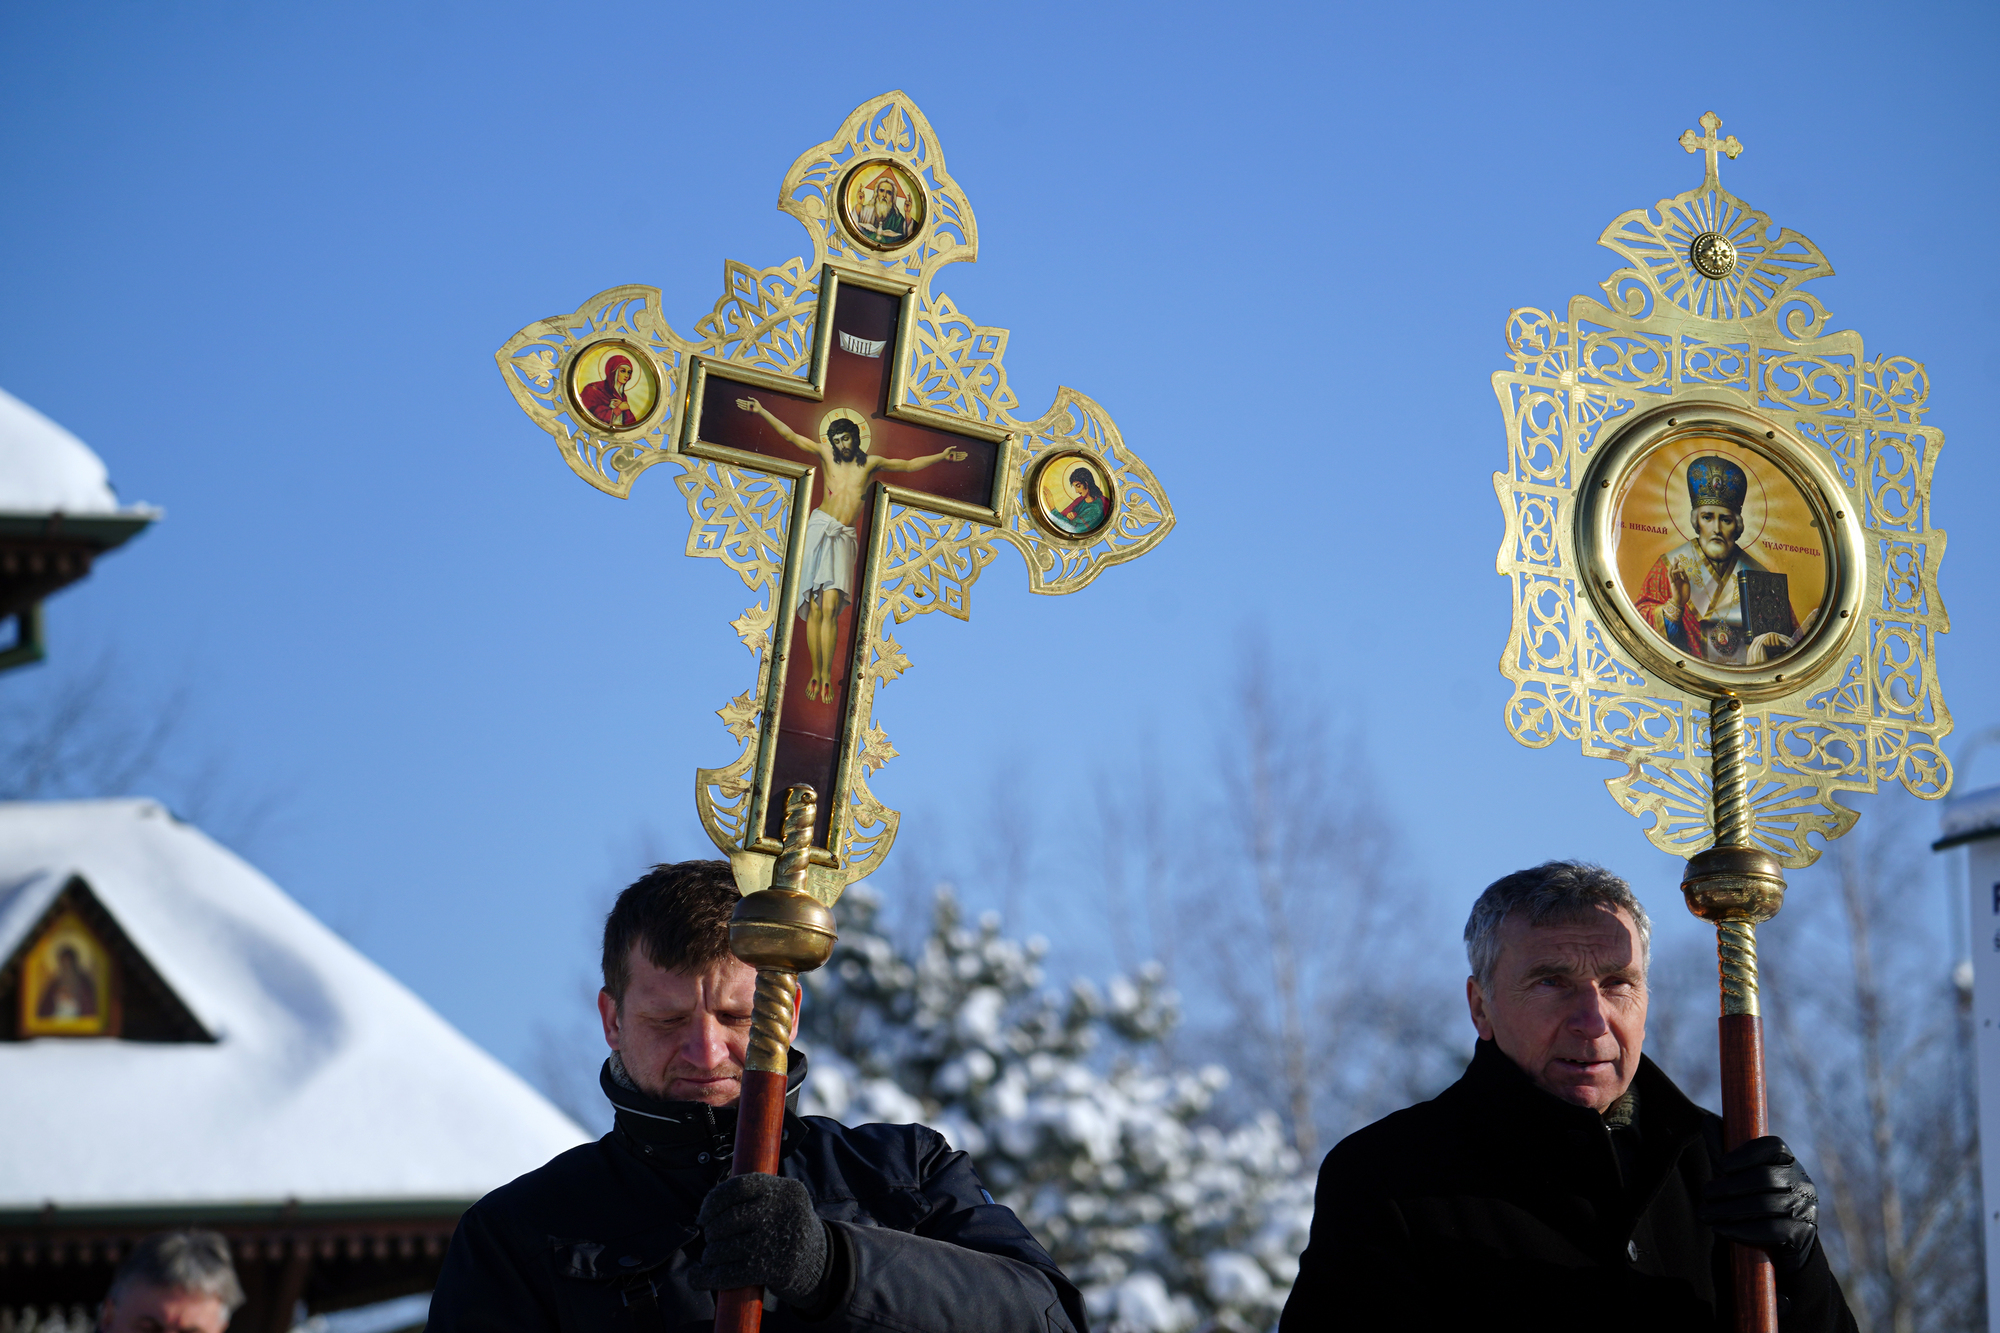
(259, 257)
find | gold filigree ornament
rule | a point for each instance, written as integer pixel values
(1709, 496)
(884, 216)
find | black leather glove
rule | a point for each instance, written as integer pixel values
(1763, 1197)
(761, 1231)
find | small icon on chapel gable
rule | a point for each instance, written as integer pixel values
(66, 983)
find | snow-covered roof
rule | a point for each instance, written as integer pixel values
(329, 1080)
(1970, 817)
(46, 470)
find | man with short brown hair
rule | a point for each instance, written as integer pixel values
(1564, 1180)
(871, 1227)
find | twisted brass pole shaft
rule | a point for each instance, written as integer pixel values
(801, 813)
(1735, 940)
(1727, 776)
(776, 1005)
(1736, 951)
(771, 1020)
(782, 932)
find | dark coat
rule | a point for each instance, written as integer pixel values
(1497, 1205)
(601, 1237)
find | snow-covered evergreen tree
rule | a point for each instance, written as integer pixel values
(1168, 1222)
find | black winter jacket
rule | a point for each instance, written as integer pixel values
(1496, 1205)
(600, 1239)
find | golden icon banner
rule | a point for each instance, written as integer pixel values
(1710, 495)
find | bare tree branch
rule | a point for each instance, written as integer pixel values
(78, 729)
(1857, 979)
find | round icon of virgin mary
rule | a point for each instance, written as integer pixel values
(613, 386)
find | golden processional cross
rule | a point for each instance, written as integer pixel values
(847, 445)
(1724, 572)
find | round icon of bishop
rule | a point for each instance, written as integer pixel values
(613, 385)
(882, 205)
(1720, 552)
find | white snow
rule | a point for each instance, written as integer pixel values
(1236, 1279)
(979, 1019)
(1167, 1223)
(1143, 1302)
(1974, 812)
(46, 470)
(381, 1317)
(330, 1079)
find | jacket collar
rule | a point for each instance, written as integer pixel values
(1501, 1096)
(1663, 1108)
(1508, 1094)
(1492, 1075)
(691, 1129)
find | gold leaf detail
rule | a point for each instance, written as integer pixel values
(739, 715)
(753, 627)
(875, 749)
(890, 659)
(537, 367)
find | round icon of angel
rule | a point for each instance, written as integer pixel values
(1720, 552)
(613, 385)
(882, 205)
(1072, 495)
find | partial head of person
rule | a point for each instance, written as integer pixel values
(1558, 957)
(1716, 488)
(173, 1282)
(676, 1003)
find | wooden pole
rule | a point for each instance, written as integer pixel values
(1737, 885)
(781, 931)
(1745, 1117)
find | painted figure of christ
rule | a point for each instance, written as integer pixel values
(832, 550)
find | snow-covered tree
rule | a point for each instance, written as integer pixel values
(1168, 1220)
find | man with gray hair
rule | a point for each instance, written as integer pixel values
(173, 1282)
(1564, 1179)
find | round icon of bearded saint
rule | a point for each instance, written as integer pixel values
(1725, 592)
(1717, 553)
(882, 205)
(613, 385)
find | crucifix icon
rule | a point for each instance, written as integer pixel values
(848, 446)
(1708, 143)
(851, 451)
